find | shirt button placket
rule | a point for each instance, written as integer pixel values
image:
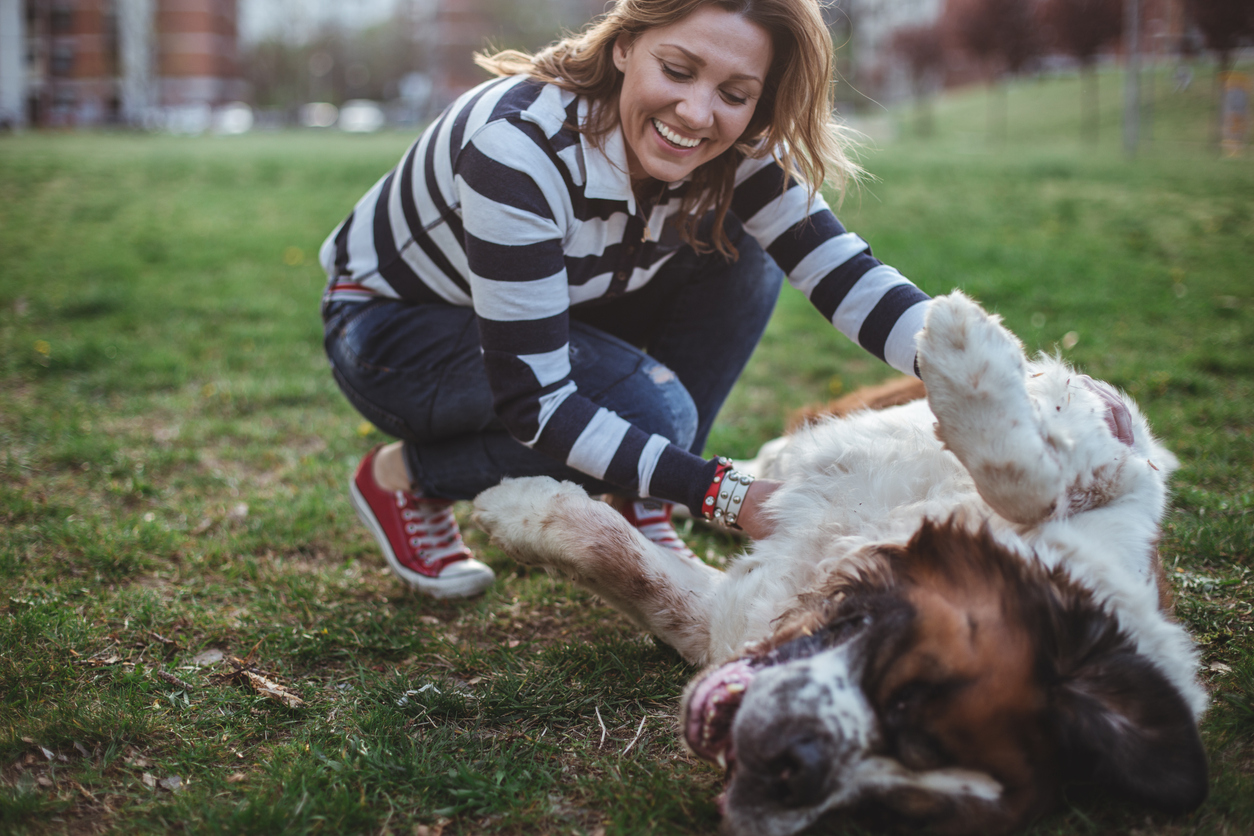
(627, 261)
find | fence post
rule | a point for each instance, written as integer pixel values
(1132, 79)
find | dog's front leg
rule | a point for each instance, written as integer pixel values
(539, 521)
(976, 373)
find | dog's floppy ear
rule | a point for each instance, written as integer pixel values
(1122, 724)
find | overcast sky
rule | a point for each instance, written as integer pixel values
(260, 18)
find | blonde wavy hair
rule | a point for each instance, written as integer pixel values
(793, 120)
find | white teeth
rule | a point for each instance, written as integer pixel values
(734, 687)
(671, 136)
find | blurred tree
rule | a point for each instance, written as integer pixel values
(922, 48)
(1003, 35)
(1080, 28)
(333, 63)
(1224, 24)
(276, 71)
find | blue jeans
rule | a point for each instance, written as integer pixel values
(664, 358)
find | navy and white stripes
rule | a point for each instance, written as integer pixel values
(500, 205)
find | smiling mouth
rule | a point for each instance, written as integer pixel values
(674, 138)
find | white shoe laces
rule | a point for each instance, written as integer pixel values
(431, 526)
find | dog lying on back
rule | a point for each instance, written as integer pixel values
(961, 607)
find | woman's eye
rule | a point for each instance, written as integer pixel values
(732, 98)
(674, 73)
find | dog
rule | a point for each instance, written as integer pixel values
(961, 608)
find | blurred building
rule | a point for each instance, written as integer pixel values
(865, 31)
(463, 27)
(876, 71)
(101, 62)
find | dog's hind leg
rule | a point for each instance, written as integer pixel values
(539, 521)
(976, 377)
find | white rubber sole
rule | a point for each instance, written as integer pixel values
(458, 580)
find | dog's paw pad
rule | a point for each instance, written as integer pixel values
(514, 502)
(957, 325)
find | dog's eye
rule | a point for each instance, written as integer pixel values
(917, 750)
(904, 725)
(904, 701)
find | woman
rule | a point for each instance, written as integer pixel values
(568, 271)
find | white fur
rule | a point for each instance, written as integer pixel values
(1020, 445)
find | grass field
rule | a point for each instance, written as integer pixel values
(175, 456)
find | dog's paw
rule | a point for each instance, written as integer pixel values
(976, 378)
(959, 340)
(514, 513)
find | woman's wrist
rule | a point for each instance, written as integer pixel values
(724, 500)
(754, 519)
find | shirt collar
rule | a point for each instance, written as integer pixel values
(607, 166)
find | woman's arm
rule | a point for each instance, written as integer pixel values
(514, 207)
(865, 299)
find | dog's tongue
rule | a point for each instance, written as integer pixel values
(712, 708)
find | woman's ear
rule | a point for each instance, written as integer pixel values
(622, 46)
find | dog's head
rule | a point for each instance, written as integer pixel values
(950, 685)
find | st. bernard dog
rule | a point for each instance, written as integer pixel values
(961, 608)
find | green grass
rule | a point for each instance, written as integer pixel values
(174, 456)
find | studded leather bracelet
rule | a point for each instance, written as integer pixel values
(724, 500)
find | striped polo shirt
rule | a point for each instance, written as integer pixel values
(502, 206)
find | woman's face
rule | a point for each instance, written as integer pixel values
(689, 90)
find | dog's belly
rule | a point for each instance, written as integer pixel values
(870, 479)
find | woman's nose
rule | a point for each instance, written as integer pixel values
(696, 109)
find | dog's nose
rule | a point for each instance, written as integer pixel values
(798, 774)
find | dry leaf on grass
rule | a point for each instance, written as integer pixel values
(100, 661)
(173, 783)
(273, 690)
(242, 671)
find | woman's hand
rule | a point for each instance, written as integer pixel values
(757, 524)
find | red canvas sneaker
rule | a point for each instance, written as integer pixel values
(652, 518)
(419, 537)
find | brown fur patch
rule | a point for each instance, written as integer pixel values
(1100, 490)
(1166, 597)
(894, 392)
(965, 686)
